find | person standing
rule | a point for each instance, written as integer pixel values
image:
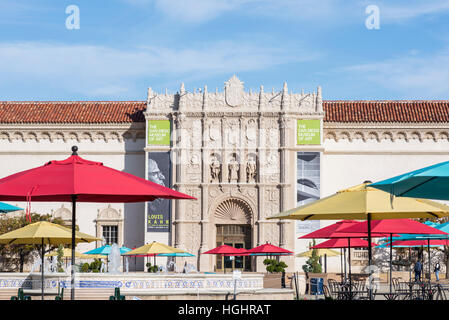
(418, 269)
(437, 271)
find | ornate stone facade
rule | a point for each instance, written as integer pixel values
(235, 152)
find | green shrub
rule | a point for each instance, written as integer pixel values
(313, 263)
(151, 268)
(274, 266)
(60, 257)
(95, 266)
(85, 267)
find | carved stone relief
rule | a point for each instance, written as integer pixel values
(233, 91)
(215, 168)
(251, 168)
(234, 168)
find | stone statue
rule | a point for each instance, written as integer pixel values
(233, 170)
(251, 170)
(215, 168)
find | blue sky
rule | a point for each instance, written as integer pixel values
(125, 46)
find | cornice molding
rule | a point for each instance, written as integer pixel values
(77, 132)
(379, 132)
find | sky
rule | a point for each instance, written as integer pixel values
(115, 49)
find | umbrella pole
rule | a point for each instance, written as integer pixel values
(391, 258)
(341, 263)
(325, 263)
(349, 267)
(42, 269)
(410, 260)
(369, 253)
(72, 280)
(428, 249)
(344, 259)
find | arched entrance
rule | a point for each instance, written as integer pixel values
(233, 219)
(237, 236)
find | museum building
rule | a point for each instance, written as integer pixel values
(244, 155)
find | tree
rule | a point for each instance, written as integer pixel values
(313, 263)
(59, 257)
(14, 257)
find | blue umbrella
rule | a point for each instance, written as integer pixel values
(106, 250)
(4, 208)
(176, 254)
(431, 182)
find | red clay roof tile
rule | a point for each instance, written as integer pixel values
(432, 111)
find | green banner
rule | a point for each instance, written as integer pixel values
(308, 132)
(158, 132)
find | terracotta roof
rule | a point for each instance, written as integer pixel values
(132, 111)
(387, 111)
(71, 111)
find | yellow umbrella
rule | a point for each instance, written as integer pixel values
(361, 202)
(43, 233)
(320, 252)
(153, 248)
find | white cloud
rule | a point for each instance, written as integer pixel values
(99, 70)
(200, 11)
(412, 9)
(413, 75)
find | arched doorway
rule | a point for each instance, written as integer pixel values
(237, 236)
(233, 227)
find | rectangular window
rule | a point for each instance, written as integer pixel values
(307, 186)
(110, 234)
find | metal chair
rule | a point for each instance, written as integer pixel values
(117, 295)
(327, 293)
(20, 296)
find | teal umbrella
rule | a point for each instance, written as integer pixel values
(4, 208)
(176, 254)
(106, 250)
(431, 182)
(442, 227)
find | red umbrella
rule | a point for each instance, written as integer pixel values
(225, 250)
(419, 243)
(334, 231)
(342, 243)
(78, 180)
(392, 226)
(268, 248)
